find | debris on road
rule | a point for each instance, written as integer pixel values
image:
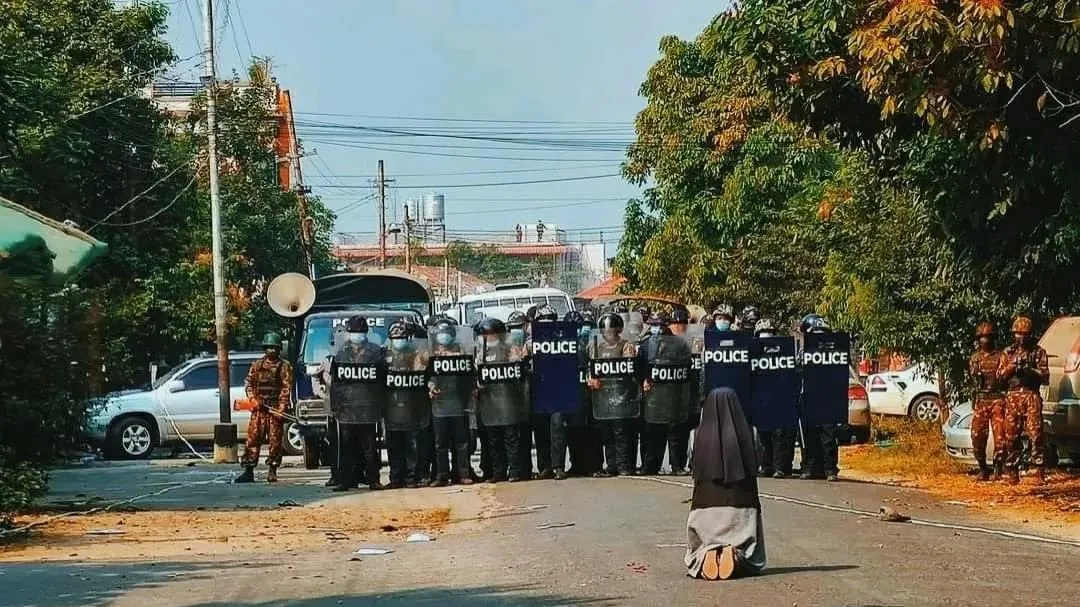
(890, 515)
(671, 545)
(388, 528)
(418, 538)
(371, 551)
(288, 504)
(638, 567)
(106, 532)
(554, 526)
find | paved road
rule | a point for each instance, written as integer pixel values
(619, 552)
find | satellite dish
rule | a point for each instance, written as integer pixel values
(291, 295)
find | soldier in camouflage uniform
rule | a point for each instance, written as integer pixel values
(1024, 366)
(989, 402)
(269, 380)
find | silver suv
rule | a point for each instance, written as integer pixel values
(181, 403)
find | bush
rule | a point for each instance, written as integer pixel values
(910, 449)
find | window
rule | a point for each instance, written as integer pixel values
(560, 304)
(238, 370)
(201, 378)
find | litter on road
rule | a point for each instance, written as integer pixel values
(554, 526)
(371, 551)
(417, 538)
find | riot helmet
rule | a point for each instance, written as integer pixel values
(764, 328)
(516, 322)
(574, 316)
(356, 329)
(680, 316)
(749, 317)
(492, 330)
(399, 335)
(445, 332)
(546, 313)
(530, 314)
(813, 323)
(619, 308)
(588, 316)
(723, 316)
(611, 327)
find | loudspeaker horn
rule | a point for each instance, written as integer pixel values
(291, 294)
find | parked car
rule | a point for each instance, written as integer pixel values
(957, 433)
(858, 426)
(912, 392)
(1061, 398)
(181, 403)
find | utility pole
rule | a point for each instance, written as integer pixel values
(408, 242)
(225, 431)
(382, 215)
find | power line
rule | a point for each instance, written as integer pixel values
(467, 120)
(447, 155)
(493, 172)
(137, 197)
(243, 28)
(158, 212)
(486, 185)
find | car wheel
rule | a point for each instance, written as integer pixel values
(131, 438)
(312, 451)
(926, 409)
(294, 441)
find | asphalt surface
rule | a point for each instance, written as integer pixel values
(624, 548)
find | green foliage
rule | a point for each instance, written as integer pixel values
(79, 141)
(488, 263)
(905, 167)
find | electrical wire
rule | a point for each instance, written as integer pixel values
(243, 27)
(158, 212)
(486, 185)
(382, 148)
(492, 172)
(137, 197)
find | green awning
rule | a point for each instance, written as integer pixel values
(36, 248)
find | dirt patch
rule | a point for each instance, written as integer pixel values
(384, 520)
(917, 458)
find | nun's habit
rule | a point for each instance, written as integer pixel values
(725, 509)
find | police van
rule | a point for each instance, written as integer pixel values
(508, 298)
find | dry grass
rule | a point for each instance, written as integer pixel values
(917, 450)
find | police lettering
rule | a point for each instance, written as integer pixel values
(697, 363)
(554, 347)
(613, 368)
(669, 374)
(405, 381)
(825, 358)
(500, 374)
(582, 376)
(777, 363)
(449, 366)
(354, 373)
(727, 357)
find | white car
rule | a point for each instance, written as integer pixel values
(180, 405)
(912, 392)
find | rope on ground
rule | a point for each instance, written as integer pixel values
(23, 529)
(856, 511)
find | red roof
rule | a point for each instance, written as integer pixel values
(602, 289)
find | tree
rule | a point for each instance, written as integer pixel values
(486, 262)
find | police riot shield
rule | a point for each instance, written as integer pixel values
(695, 336)
(357, 376)
(500, 381)
(585, 333)
(613, 374)
(826, 361)
(554, 353)
(774, 403)
(726, 361)
(451, 371)
(667, 379)
(407, 405)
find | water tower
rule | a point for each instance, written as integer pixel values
(434, 216)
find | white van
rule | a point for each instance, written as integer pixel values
(507, 298)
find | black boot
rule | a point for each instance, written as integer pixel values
(984, 472)
(247, 476)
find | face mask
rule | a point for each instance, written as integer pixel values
(654, 329)
(444, 339)
(518, 335)
(584, 331)
(273, 353)
(491, 343)
(357, 338)
(1020, 339)
(723, 325)
(399, 344)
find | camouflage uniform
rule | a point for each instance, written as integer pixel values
(1025, 368)
(989, 407)
(268, 381)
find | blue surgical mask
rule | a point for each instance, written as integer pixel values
(723, 325)
(444, 339)
(654, 329)
(517, 335)
(357, 338)
(399, 344)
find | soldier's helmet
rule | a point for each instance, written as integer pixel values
(611, 320)
(272, 340)
(724, 310)
(357, 324)
(398, 330)
(491, 326)
(546, 313)
(680, 316)
(765, 325)
(1022, 324)
(575, 317)
(984, 329)
(516, 319)
(813, 323)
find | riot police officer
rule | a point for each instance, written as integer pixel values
(749, 318)
(679, 439)
(543, 425)
(356, 405)
(665, 358)
(582, 436)
(821, 450)
(520, 327)
(450, 384)
(613, 381)
(408, 411)
(500, 398)
(765, 328)
(723, 317)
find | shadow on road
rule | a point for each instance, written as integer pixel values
(91, 585)
(816, 568)
(484, 596)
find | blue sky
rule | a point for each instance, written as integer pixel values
(565, 69)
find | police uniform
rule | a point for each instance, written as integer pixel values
(547, 428)
(406, 418)
(500, 406)
(269, 380)
(615, 400)
(1024, 366)
(989, 402)
(821, 449)
(451, 397)
(665, 403)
